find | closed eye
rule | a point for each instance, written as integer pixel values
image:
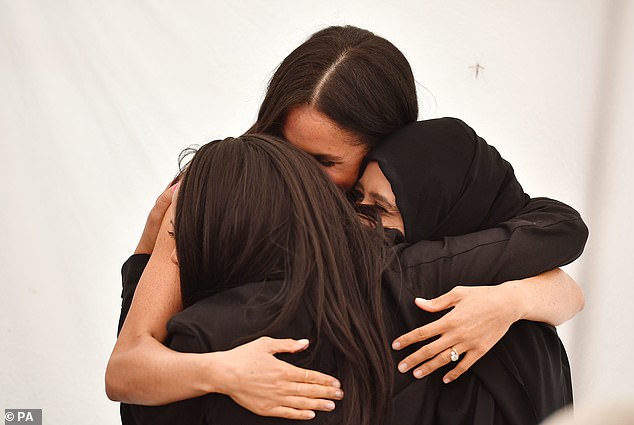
(326, 160)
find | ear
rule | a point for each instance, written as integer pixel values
(174, 257)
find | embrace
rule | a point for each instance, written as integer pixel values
(343, 263)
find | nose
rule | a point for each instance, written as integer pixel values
(365, 199)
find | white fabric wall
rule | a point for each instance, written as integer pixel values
(97, 98)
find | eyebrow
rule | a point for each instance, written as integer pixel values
(378, 197)
(383, 200)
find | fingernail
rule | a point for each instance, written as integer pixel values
(176, 186)
(402, 367)
(418, 373)
(446, 380)
(339, 394)
(303, 342)
(310, 414)
(421, 300)
(330, 405)
(336, 384)
(396, 345)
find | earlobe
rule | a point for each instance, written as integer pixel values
(174, 257)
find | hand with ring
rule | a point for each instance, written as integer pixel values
(478, 319)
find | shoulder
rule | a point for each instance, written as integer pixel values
(216, 322)
(446, 124)
(438, 128)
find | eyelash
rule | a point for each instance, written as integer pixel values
(381, 208)
(326, 164)
(356, 196)
(169, 232)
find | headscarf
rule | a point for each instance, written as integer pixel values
(447, 180)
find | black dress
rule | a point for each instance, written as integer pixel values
(520, 381)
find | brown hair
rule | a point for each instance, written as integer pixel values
(255, 208)
(359, 80)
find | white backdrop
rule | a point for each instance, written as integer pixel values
(98, 97)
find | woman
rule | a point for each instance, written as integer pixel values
(308, 101)
(338, 95)
(466, 186)
(298, 263)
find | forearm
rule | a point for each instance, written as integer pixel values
(141, 369)
(544, 235)
(148, 373)
(552, 297)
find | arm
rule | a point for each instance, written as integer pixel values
(142, 370)
(552, 297)
(545, 234)
(133, 372)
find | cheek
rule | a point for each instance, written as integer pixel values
(345, 179)
(394, 222)
(347, 174)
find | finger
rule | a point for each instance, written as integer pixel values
(162, 203)
(313, 377)
(423, 354)
(420, 334)
(273, 346)
(316, 391)
(175, 181)
(173, 191)
(287, 345)
(465, 364)
(430, 366)
(290, 413)
(440, 303)
(304, 403)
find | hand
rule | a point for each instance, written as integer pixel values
(267, 386)
(154, 220)
(480, 317)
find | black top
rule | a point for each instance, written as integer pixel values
(447, 181)
(503, 387)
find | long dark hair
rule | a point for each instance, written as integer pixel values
(359, 80)
(255, 208)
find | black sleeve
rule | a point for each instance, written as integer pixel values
(544, 235)
(130, 275)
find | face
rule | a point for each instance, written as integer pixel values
(374, 189)
(338, 151)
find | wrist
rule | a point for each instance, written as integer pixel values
(516, 300)
(215, 378)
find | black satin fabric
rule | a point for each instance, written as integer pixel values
(447, 180)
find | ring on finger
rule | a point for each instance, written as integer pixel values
(454, 356)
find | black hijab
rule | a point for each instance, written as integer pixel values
(447, 180)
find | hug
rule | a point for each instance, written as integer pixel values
(265, 243)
